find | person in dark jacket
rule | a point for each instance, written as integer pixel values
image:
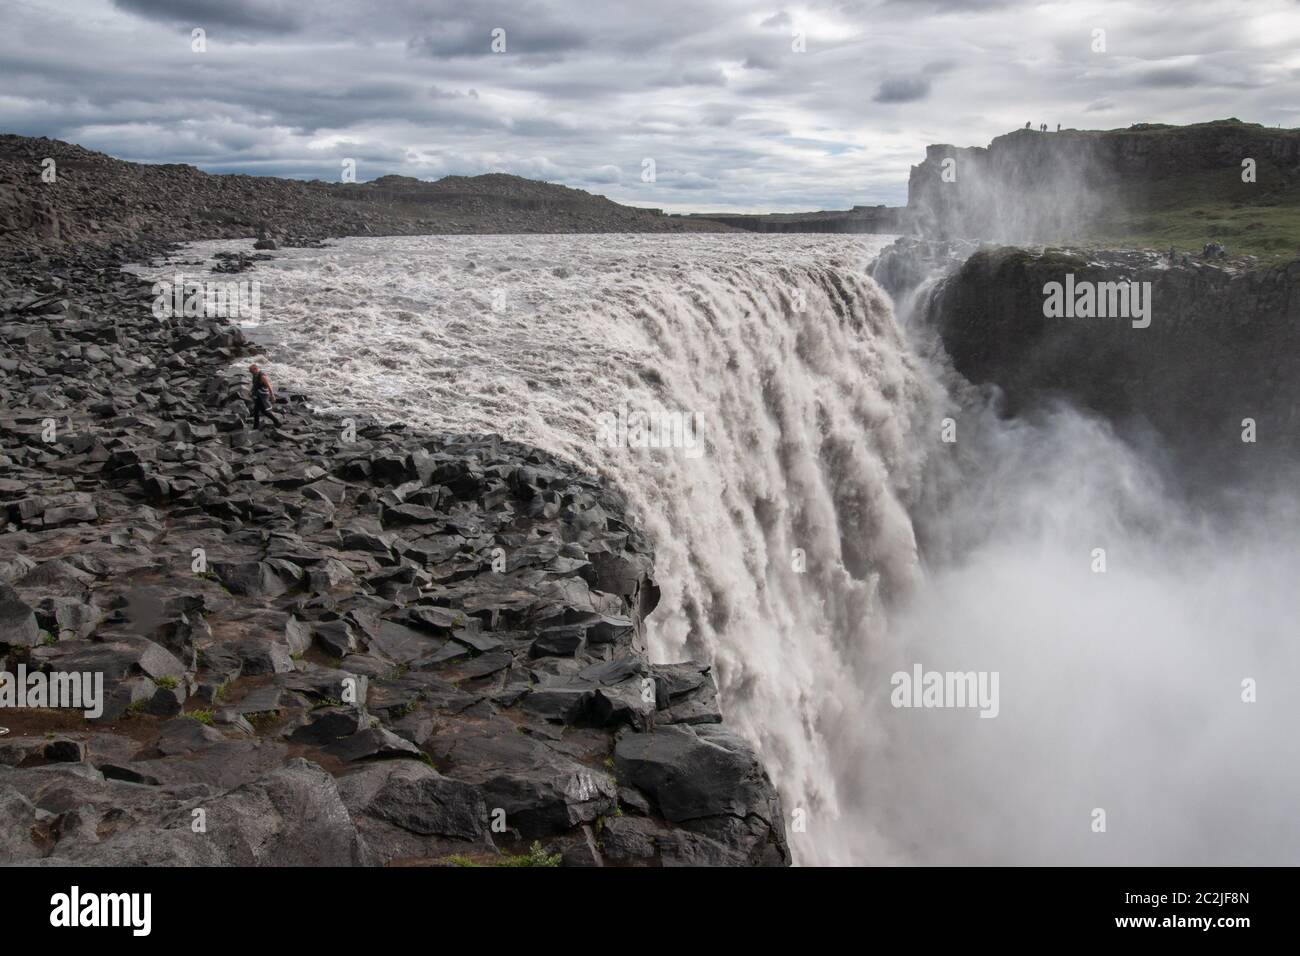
(263, 397)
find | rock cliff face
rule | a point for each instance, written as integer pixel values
(1030, 186)
(327, 643)
(1223, 345)
(95, 199)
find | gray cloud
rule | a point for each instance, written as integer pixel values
(268, 16)
(1169, 76)
(476, 39)
(903, 89)
(692, 77)
(711, 89)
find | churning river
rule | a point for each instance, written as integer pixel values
(816, 535)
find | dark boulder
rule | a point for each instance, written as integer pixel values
(17, 620)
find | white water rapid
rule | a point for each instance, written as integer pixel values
(787, 539)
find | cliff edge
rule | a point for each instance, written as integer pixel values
(1152, 186)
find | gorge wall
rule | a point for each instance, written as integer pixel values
(1031, 186)
(1222, 346)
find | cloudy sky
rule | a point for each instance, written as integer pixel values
(742, 105)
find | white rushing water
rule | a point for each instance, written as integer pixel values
(787, 538)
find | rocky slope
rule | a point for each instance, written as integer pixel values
(1223, 345)
(321, 644)
(95, 199)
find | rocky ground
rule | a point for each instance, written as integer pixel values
(59, 194)
(322, 644)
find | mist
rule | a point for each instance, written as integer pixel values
(1120, 690)
(1026, 187)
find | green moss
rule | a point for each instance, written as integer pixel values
(536, 856)
(167, 682)
(202, 716)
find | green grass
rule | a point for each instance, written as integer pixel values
(202, 716)
(535, 856)
(1259, 219)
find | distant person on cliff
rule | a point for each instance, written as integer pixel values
(263, 397)
(1026, 126)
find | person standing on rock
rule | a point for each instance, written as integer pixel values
(263, 397)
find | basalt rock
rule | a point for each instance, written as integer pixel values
(295, 630)
(17, 620)
(1217, 345)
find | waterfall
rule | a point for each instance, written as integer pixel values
(814, 536)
